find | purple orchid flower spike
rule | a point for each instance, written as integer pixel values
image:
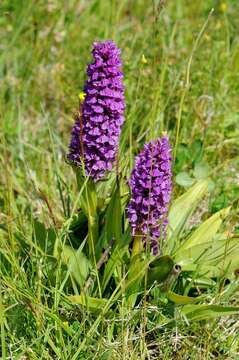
(151, 185)
(97, 129)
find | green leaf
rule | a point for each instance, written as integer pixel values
(196, 151)
(219, 251)
(180, 299)
(212, 259)
(184, 179)
(231, 262)
(205, 312)
(77, 263)
(206, 232)
(107, 355)
(181, 210)
(203, 272)
(182, 156)
(91, 303)
(201, 170)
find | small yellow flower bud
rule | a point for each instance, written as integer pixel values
(144, 60)
(82, 96)
(223, 7)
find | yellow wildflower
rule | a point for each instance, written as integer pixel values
(223, 7)
(144, 60)
(82, 96)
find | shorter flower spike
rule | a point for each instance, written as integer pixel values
(151, 185)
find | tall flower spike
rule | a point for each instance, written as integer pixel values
(97, 129)
(151, 184)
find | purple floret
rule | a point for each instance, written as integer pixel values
(102, 113)
(151, 185)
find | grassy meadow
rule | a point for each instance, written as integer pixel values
(181, 75)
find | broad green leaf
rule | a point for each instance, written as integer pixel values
(201, 268)
(77, 263)
(205, 312)
(206, 232)
(107, 355)
(215, 258)
(91, 303)
(204, 272)
(184, 179)
(181, 300)
(182, 156)
(221, 252)
(181, 210)
(196, 151)
(201, 282)
(231, 262)
(208, 252)
(201, 170)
